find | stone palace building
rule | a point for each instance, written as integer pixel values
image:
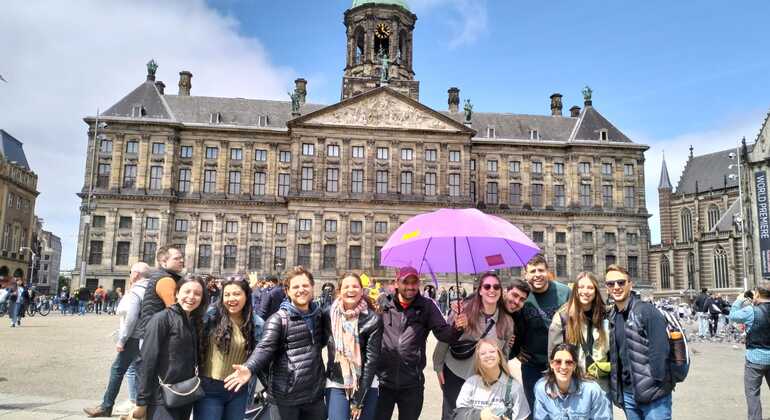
(247, 185)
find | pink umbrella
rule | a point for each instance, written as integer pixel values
(457, 241)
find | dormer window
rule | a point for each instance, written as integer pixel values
(215, 118)
(603, 136)
(137, 111)
(262, 121)
(534, 134)
(491, 132)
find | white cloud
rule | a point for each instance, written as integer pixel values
(467, 18)
(62, 60)
(723, 136)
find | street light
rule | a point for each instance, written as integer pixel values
(740, 218)
(90, 205)
(34, 256)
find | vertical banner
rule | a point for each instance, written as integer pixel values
(763, 221)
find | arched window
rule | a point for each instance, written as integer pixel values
(691, 271)
(713, 216)
(665, 273)
(720, 268)
(686, 225)
(358, 53)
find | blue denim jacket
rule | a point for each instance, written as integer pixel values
(588, 402)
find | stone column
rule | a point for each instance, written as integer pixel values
(222, 167)
(117, 162)
(142, 167)
(268, 250)
(191, 246)
(197, 169)
(218, 243)
(110, 233)
(243, 244)
(291, 241)
(137, 233)
(169, 163)
(166, 216)
(368, 241)
(317, 238)
(343, 236)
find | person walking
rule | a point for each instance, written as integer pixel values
(640, 375)
(543, 302)
(443, 301)
(564, 394)
(84, 296)
(408, 318)
(487, 318)
(355, 336)
(714, 310)
(756, 318)
(228, 338)
(127, 343)
(701, 312)
(491, 393)
(99, 298)
(290, 350)
(14, 305)
(64, 300)
(583, 323)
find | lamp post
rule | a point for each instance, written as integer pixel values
(90, 204)
(740, 220)
(34, 256)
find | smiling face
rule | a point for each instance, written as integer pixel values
(490, 290)
(618, 286)
(351, 292)
(189, 296)
(300, 291)
(586, 292)
(488, 355)
(515, 299)
(234, 299)
(537, 277)
(408, 288)
(563, 365)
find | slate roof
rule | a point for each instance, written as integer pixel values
(664, 183)
(234, 111)
(517, 126)
(592, 122)
(708, 171)
(13, 150)
(146, 95)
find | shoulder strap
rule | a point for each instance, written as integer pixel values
(490, 324)
(508, 402)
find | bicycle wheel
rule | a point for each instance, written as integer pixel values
(90, 308)
(31, 310)
(44, 309)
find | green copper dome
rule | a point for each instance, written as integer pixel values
(401, 3)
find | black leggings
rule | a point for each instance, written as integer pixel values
(450, 390)
(409, 401)
(160, 412)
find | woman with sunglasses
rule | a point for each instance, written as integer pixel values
(355, 335)
(228, 338)
(583, 322)
(491, 393)
(564, 394)
(486, 319)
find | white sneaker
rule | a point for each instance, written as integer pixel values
(124, 407)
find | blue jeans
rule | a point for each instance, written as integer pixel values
(15, 310)
(339, 405)
(703, 323)
(529, 376)
(82, 305)
(119, 367)
(133, 382)
(220, 403)
(659, 409)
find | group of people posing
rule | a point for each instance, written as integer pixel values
(577, 355)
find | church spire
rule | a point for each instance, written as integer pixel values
(665, 183)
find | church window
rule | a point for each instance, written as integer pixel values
(690, 270)
(665, 273)
(720, 268)
(685, 218)
(713, 216)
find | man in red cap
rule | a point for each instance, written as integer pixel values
(407, 319)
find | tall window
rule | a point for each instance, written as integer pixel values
(609, 260)
(185, 151)
(231, 226)
(307, 178)
(514, 167)
(260, 182)
(333, 150)
(382, 182)
(125, 222)
(158, 148)
(633, 267)
(236, 154)
(234, 182)
(690, 270)
(585, 195)
(491, 165)
(304, 225)
(491, 193)
(407, 154)
(284, 181)
(103, 176)
(721, 278)
(151, 223)
(584, 168)
(180, 225)
(303, 255)
(148, 253)
(607, 195)
(281, 229)
(308, 149)
(95, 252)
(207, 225)
(204, 256)
(685, 218)
(356, 226)
(515, 193)
(380, 227)
(156, 175)
(559, 196)
(537, 195)
(332, 179)
(255, 257)
(330, 225)
(629, 197)
(284, 156)
(132, 147)
(212, 152)
(257, 228)
(105, 146)
(357, 181)
(376, 257)
(628, 169)
(209, 180)
(454, 185)
(382, 153)
(561, 265)
(357, 152)
(454, 155)
(537, 167)
(260, 155)
(354, 257)
(430, 155)
(588, 263)
(713, 216)
(122, 253)
(279, 258)
(607, 169)
(558, 168)
(230, 257)
(185, 180)
(330, 257)
(406, 182)
(129, 176)
(665, 273)
(430, 183)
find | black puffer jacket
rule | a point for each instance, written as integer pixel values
(291, 353)
(152, 303)
(405, 332)
(370, 341)
(168, 351)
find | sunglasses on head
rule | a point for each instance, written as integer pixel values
(490, 286)
(612, 283)
(559, 362)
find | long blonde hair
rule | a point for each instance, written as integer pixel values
(576, 317)
(502, 361)
(473, 307)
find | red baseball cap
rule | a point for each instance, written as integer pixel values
(405, 272)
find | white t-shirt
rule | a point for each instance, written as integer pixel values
(474, 394)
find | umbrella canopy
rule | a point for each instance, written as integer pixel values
(457, 241)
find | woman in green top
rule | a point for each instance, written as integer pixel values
(228, 339)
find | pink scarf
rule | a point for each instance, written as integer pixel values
(347, 351)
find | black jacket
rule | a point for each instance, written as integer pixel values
(152, 303)
(168, 351)
(84, 294)
(647, 353)
(370, 341)
(271, 301)
(405, 332)
(700, 303)
(291, 353)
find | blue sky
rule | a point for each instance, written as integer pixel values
(668, 74)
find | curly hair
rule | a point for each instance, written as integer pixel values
(223, 327)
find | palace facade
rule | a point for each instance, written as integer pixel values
(248, 185)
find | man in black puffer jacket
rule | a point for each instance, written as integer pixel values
(290, 350)
(407, 319)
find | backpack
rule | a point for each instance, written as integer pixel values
(678, 371)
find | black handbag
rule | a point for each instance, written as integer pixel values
(464, 349)
(182, 393)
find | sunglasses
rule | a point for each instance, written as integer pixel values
(559, 362)
(612, 284)
(490, 286)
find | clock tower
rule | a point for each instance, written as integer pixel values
(379, 48)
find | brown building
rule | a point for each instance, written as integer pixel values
(256, 185)
(18, 192)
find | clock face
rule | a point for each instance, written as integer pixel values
(383, 31)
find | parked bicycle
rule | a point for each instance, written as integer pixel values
(42, 307)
